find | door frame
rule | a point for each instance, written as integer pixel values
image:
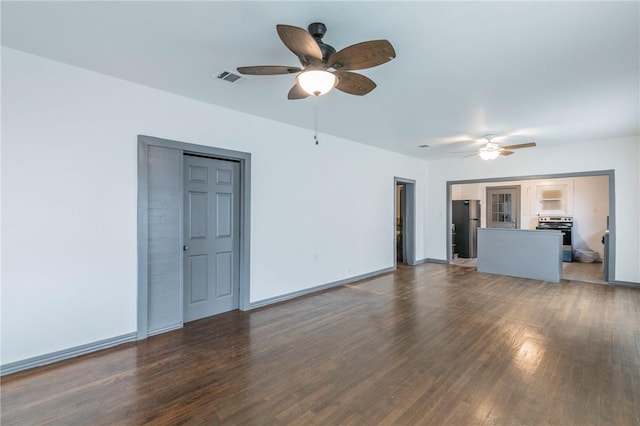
(244, 159)
(517, 215)
(408, 221)
(612, 206)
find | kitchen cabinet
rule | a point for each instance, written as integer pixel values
(554, 199)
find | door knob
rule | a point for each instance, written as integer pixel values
(185, 248)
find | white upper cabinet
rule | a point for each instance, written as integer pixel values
(555, 199)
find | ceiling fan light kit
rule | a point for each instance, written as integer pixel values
(489, 152)
(316, 82)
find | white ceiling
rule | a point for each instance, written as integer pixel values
(553, 72)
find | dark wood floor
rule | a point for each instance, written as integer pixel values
(430, 345)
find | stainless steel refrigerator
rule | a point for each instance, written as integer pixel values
(466, 221)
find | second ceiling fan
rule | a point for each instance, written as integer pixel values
(322, 67)
(492, 150)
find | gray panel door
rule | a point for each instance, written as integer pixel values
(503, 207)
(211, 237)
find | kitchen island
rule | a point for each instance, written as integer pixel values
(524, 253)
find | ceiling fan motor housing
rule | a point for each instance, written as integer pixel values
(317, 31)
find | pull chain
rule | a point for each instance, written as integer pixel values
(315, 119)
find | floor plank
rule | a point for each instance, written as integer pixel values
(432, 344)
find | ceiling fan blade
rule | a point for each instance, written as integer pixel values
(363, 55)
(354, 83)
(300, 42)
(505, 152)
(268, 70)
(522, 145)
(296, 92)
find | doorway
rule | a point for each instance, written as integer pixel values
(211, 236)
(161, 233)
(503, 207)
(592, 209)
(404, 221)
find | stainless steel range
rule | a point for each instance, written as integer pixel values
(563, 224)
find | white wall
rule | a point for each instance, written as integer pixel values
(69, 195)
(620, 155)
(69, 183)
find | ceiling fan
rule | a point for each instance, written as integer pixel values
(322, 67)
(492, 150)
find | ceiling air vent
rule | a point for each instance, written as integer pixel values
(228, 76)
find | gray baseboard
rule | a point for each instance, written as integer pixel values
(163, 330)
(624, 284)
(14, 367)
(430, 260)
(316, 289)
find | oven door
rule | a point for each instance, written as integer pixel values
(566, 235)
(566, 232)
